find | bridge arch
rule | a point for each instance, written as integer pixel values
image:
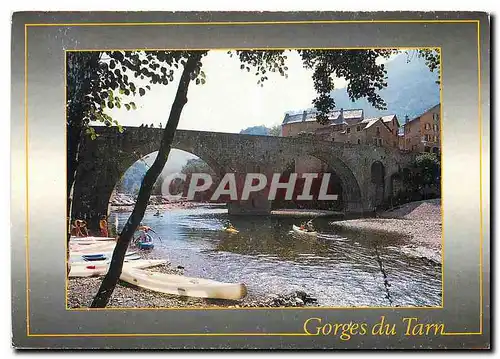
(351, 191)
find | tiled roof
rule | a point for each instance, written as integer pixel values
(430, 109)
(387, 118)
(334, 116)
(369, 122)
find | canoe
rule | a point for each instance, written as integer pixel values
(95, 256)
(94, 247)
(306, 233)
(91, 238)
(183, 286)
(85, 269)
(231, 230)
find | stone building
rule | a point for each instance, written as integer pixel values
(347, 126)
(422, 134)
(305, 122)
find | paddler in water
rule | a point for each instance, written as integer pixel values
(143, 233)
(103, 226)
(229, 225)
(307, 226)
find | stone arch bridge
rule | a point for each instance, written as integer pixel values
(104, 160)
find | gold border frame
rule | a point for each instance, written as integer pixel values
(26, 26)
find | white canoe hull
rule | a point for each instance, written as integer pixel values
(183, 286)
(98, 268)
(90, 239)
(305, 233)
(92, 247)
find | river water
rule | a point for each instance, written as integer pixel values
(339, 268)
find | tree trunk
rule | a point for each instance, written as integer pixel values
(111, 279)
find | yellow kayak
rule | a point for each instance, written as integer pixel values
(231, 230)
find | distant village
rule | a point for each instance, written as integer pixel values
(419, 134)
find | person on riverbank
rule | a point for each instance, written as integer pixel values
(75, 229)
(83, 228)
(79, 228)
(103, 226)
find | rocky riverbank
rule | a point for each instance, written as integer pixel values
(419, 223)
(122, 202)
(81, 291)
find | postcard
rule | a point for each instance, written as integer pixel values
(250, 180)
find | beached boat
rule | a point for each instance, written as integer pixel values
(86, 269)
(145, 245)
(91, 247)
(91, 238)
(94, 256)
(304, 232)
(183, 286)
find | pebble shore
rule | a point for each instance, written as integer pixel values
(418, 222)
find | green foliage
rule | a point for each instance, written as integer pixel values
(428, 169)
(263, 62)
(101, 81)
(423, 176)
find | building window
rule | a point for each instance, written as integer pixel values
(375, 141)
(359, 141)
(358, 128)
(348, 130)
(378, 131)
(427, 149)
(435, 138)
(435, 117)
(427, 126)
(435, 127)
(380, 142)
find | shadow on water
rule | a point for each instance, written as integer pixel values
(338, 267)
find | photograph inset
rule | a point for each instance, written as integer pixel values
(254, 178)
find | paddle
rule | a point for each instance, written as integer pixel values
(156, 234)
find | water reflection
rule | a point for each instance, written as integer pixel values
(339, 268)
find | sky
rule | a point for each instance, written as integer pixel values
(230, 100)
